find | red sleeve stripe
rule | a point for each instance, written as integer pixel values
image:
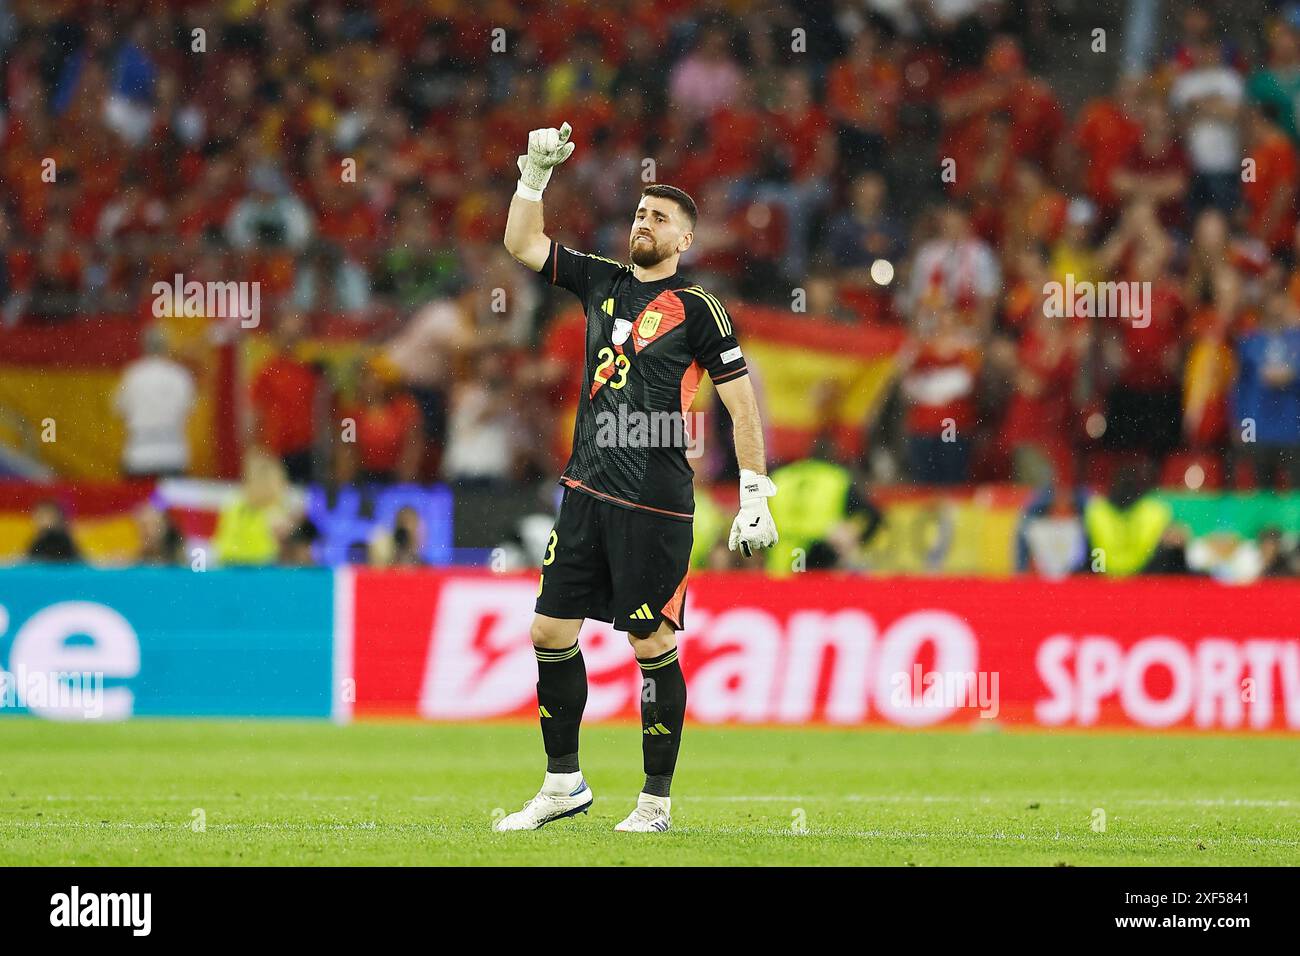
(728, 376)
(555, 261)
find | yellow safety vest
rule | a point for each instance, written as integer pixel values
(1124, 541)
(809, 502)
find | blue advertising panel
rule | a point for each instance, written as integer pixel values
(349, 517)
(83, 644)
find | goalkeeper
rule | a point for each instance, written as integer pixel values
(620, 549)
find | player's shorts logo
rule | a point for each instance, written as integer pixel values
(649, 324)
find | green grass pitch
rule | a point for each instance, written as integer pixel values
(295, 793)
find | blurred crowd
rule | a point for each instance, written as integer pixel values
(932, 166)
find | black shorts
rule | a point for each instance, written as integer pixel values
(616, 565)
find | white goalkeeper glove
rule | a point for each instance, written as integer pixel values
(753, 527)
(547, 148)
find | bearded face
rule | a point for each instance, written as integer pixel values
(657, 230)
(645, 252)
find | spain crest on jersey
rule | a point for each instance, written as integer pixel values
(649, 324)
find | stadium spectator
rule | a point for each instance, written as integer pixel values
(1267, 397)
(54, 293)
(424, 351)
(795, 166)
(1051, 539)
(403, 545)
(708, 78)
(938, 378)
(161, 542)
(128, 108)
(863, 94)
(389, 428)
(824, 298)
(551, 377)
(252, 526)
(1074, 253)
(1171, 554)
(586, 71)
(429, 79)
(1042, 365)
(864, 232)
(282, 400)
(1277, 560)
(956, 271)
(1031, 210)
(1270, 189)
(1154, 170)
(1210, 367)
(269, 215)
(640, 73)
(1142, 353)
(1107, 132)
(419, 265)
(1207, 98)
(1000, 87)
(1277, 83)
(298, 550)
(154, 399)
(53, 541)
(1127, 525)
(827, 517)
(483, 431)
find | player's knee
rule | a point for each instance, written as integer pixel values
(654, 644)
(546, 632)
(540, 633)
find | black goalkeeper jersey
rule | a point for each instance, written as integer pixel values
(648, 345)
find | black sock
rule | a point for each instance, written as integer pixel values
(663, 712)
(561, 697)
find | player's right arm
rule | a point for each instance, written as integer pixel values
(524, 238)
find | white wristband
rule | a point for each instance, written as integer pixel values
(528, 192)
(753, 485)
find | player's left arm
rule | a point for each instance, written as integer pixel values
(753, 527)
(747, 425)
(714, 343)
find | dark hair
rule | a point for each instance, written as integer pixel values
(676, 195)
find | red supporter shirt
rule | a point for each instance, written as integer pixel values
(383, 431)
(804, 133)
(1171, 159)
(1043, 416)
(1275, 166)
(736, 135)
(282, 394)
(1152, 352)
(867, 97)
(1105, 136)
(951, 373)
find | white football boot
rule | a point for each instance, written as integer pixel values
(650, 816)
(562, 795)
